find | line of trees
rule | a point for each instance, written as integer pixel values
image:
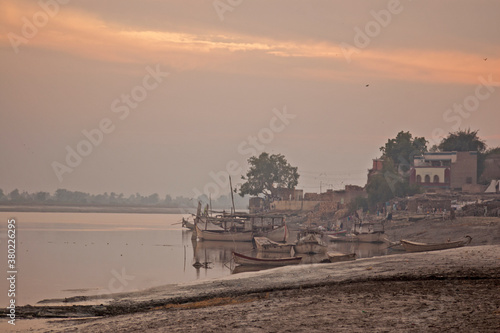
(66, 197)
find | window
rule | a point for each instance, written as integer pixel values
(427, 178)
(436, 179)
(447, 176)
(468, 180)
(419, 179)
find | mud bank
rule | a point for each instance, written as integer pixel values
(421, 291)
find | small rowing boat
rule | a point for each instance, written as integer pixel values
(337, 256)
(241, 259)
(419, 247)
(264, 244)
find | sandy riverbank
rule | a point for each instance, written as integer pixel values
(454, 289)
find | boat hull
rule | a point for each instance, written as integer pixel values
(264, 244)
(276, 235)
(310, 244)
(227, 236)
(338, 257)
(243, 260)
(410, 246)
(373, 237)
(188, 225)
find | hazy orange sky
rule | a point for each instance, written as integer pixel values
(325, 83)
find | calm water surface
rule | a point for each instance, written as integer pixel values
(67, 254)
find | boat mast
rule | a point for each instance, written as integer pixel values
(232, 197)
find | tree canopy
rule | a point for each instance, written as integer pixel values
(463, 140)
(267, 173)
(388, 184)
(403, 148)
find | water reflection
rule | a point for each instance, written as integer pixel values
(218, 254)
(362, 250)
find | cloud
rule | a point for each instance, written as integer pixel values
(83, 34)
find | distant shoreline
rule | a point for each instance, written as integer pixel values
(94, 209)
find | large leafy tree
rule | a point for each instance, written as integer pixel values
(403, 148)
(466, 140)
(463, 140)
(267, 173)
(388, 184)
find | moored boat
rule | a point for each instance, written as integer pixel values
(187, 224)
(310, 243)
(241, 259)
(223, 235)
(279, 234)
(365, 237)
(419, 247)
(264, 244)
(337, 256)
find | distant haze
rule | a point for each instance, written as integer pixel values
(157, 96)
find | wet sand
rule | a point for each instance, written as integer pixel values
(453, 290)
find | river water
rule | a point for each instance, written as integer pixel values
(61, 255)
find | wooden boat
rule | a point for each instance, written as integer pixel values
(418, 247)
(187, 224)
(337, 256)
(279, 234)
(241, 259)
(336, 233)
(310, 243)
(223, 235)
(264, 244)
(396, 246)
(365, 237)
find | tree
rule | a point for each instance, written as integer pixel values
(14, 195)
(268, 173)
(403, 148)
(463, 140)
(388, 184)
(42, 196)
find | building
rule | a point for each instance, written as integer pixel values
(445, 170)
(378, 164)
(491, 168)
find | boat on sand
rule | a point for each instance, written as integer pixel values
(337, 256)
(419, 247)
(241, 259)
(364, 237)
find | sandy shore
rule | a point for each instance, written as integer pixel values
(452, 290)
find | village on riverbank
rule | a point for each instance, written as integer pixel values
(440, 186)
(436, 223)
